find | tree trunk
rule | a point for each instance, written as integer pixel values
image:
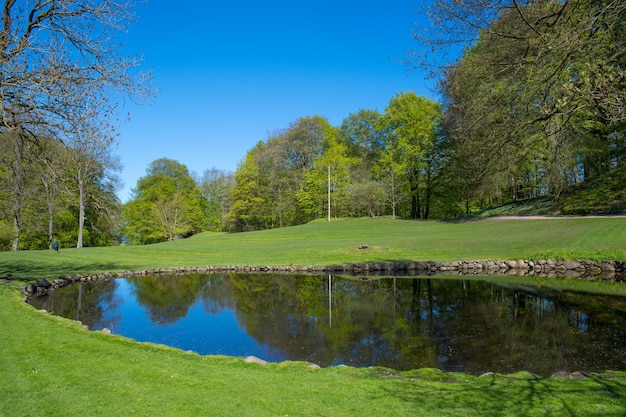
(16, 229)
(428, 192)
(18, 189)
(81, 210)
(415, 200)
(393, 194)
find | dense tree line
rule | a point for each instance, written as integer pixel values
(534, 106)
(49, 192)
(61, 78)
(536, 102)
(373, 164)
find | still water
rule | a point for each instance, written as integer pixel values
(470, 326)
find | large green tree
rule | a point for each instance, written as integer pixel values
(250, 204)
(535, 103)
(167, 203)
(329, 178)
(411, 123)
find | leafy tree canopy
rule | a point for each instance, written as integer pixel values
(167, 203)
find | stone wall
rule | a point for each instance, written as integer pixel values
(575, 269)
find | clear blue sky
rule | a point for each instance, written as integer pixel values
(230, 72)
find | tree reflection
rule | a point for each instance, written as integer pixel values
(86, 302)
(217, 294)
(403, 323)
(167, 298)
(469, 326)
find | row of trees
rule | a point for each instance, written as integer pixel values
(375, 164)
(50, 191)
(534, 105)
(62, 75)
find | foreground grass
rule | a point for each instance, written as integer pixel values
(51, 366)
(334, 242)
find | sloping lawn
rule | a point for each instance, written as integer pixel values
(53, 367)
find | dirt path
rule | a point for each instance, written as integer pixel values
(617, 216)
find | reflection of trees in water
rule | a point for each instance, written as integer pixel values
(86, 302)
(496, 328)
(217, 294)
(292, 314)
(167, 298)
(403, 323)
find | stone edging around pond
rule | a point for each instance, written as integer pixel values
(575, 269)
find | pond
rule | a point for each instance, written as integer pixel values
(472, 326)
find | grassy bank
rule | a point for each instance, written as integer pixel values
(325, 243)
(52, 366)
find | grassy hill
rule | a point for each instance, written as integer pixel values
(325, 243)
(53, 367)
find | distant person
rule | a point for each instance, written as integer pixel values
(56, 245)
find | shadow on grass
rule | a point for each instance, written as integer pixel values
(20, 270)
(498, 395)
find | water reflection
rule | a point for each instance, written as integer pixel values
(402, 323)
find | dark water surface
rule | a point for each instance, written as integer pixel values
(471, 326)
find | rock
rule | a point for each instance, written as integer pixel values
(511, 264)
(254, 359)
(106, 330)
(571, 265)
(594, 270)
(607, 266)
(43, 283)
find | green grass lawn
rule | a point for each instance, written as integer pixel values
(325, 243)
(53, 367)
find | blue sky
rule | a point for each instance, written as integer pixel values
(230, 72)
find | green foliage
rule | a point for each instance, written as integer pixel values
(603, 195)
(411, 124)
(531, 105)
(365, 140)
(38, 186)
(167, 204)
(280, 181)
(284, 180)
(249, 200)
(217, 187)
(6, 235)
